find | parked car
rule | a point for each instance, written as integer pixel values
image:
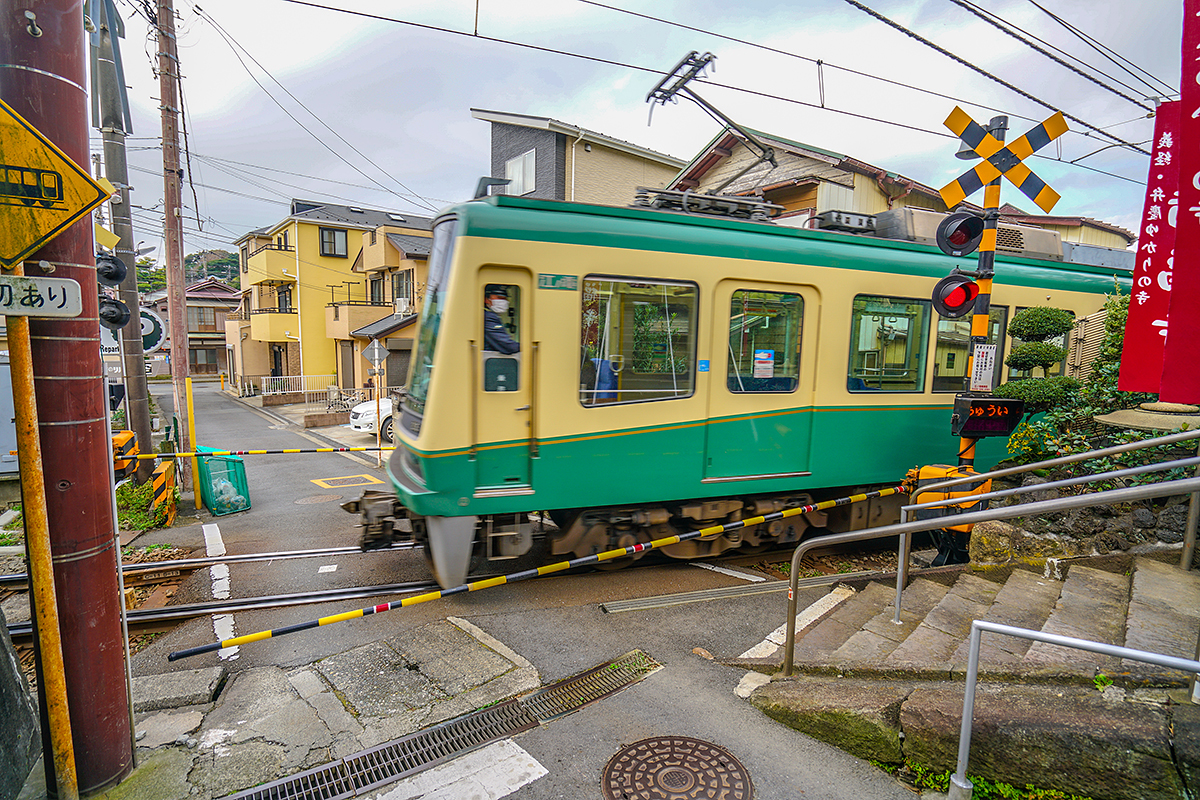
(362, 418)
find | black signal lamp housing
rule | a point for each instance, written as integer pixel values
(959, 234)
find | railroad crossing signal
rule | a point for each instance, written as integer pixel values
(42, 191)
(999, 159)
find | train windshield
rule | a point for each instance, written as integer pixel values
(441, 252)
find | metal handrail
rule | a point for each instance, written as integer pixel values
(1180, 486)
(960, 786)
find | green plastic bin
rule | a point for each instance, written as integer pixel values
(222, 482)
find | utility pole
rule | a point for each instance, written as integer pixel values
(43, 78)
(168, 90)
(114, 124)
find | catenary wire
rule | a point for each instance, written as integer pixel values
(985, 73)
(235, 46)
(1105, 51)
(1007, 27)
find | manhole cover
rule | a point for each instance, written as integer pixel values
(675, 768)
(317, 498)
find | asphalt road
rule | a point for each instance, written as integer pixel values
(555, 622)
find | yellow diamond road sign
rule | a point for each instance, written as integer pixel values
(42, 191)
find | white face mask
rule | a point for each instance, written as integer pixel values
(499, 305)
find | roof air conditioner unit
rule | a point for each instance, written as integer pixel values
(920, 225)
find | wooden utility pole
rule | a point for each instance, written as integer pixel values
(168, 83)
(43, 78)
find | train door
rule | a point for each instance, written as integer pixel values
(760, 389)
(502, 384)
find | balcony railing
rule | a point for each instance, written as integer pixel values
(272, 310)
(287, 248)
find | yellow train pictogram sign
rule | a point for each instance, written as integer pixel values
(1000, 159)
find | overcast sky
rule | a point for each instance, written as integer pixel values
(382, 108)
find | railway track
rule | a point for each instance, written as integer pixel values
(157, 574)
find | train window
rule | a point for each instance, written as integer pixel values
(952, 350)
(501, 337)
(888, 344)
(764, 341)
(441, 253)
(637, 340)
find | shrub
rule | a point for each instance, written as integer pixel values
(1040, 323)
(1029, 355)
(1039, 394)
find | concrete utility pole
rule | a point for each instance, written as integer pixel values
(114, 126)
(168, 77)
(42, 77)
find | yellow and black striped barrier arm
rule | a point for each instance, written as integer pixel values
(287, 451)
(501, 580)
(999, 159)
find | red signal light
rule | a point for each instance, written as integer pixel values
(954, 295)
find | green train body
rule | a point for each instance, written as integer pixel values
(677, 371)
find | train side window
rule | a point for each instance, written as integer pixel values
(888, 344)
(952, 350)
(764, 341)
(637, 340)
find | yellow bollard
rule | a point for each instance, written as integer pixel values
(192, 438)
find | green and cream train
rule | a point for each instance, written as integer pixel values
(676, 371)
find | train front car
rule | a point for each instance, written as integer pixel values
(639, 373)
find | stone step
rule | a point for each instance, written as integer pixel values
(1092, 606)
(1162, 615)
(880, 635)
(821, 640)
(933, 644)
(1025, 601)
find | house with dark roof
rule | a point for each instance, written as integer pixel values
(320, 273)
(542, 157)
(807, 181)
(208, 303)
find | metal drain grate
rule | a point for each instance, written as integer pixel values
(369, 769)
(574, 693)
(387, 763)
(424, 749)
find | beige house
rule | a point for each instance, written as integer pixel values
(313, 279)
(545, 158)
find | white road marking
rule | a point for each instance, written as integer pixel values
(746, 576)
(328, 568)
(223, 625)
(804, 619)
(496, 771)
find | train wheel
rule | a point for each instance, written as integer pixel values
(448, 549)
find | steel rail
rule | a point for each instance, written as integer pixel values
(183, 612)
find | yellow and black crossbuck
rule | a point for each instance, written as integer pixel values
(1000, 159)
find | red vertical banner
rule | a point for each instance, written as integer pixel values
(1181, 374)
(1146, 326)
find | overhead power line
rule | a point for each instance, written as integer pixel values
(235, 46)
(1006, 27)
(1113, 56)
(989, 75)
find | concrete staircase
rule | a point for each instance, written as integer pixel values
(890, 692)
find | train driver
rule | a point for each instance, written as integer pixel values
(495, 335)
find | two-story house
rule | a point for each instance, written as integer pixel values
(306, 273)
(208, 302)
(542, 157)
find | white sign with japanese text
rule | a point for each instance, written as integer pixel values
(22, 296)
(983, 366)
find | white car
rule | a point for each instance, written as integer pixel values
(362, 418)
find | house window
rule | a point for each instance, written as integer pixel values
(201, 318)
(284, 297)
(377, 291)
(520, 173)
(333, 242)
(245, 258)
(888, 343)
(202, 360)
(402, 286)
(372, 236)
